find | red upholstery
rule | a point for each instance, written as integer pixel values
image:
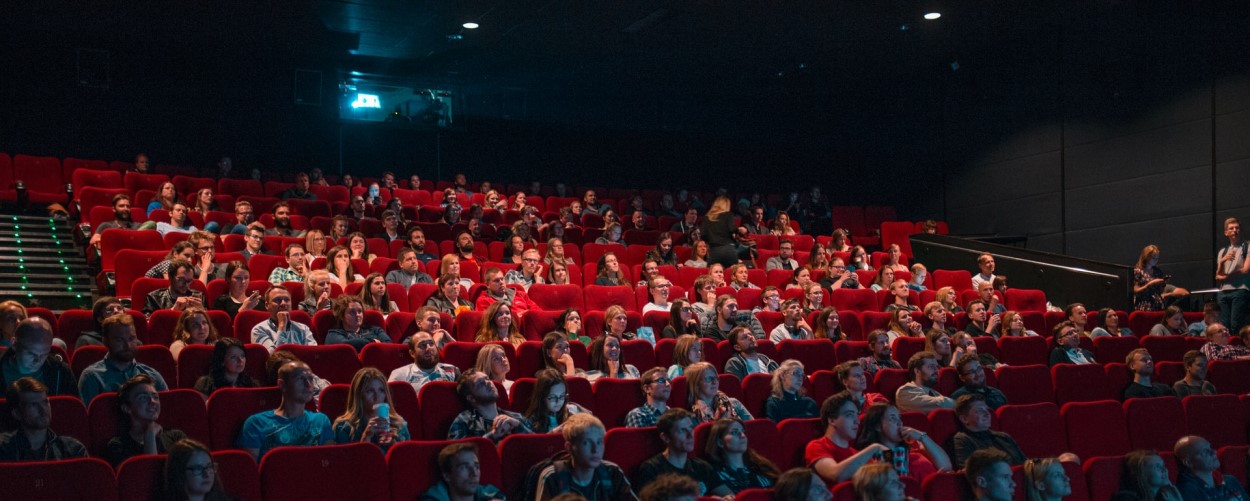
(240, 187)
(352, 471)
(1079, 383)
(115, 241)
(1102, 476)
(1154, 423)
(385, 357)
(421, 456)
(815, 354)
(637, 352)
(1025, 300)
(1095, 428)
(1162, 348)
(1140, 322)
(1218, 418)
(794, 435)
(1024, 350)
(849, 350)
(522, 452)
(755, 392)
(159, 358)
(1233, 461)
(961, 280)
(628, 447)
(439, 407)
(1025, 384)
(333, 400)
(903, 348)
(614, 398)
(1230, 376)
(418, 294)
(854, 299)
(600, 297)
(538, 323)
(1114, 349)
(337, 363)
(92, 479)
(228, 408)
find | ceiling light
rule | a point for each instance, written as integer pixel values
(470, 26)
(930, 16)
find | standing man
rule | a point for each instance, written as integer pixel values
(1232, 272)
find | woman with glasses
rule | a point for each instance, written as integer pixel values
(659, 288)
(682, 319)
(705, 399)
(549, 405)
(191, 474)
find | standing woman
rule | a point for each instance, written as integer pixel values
(373, 295)
(1151, 289)
(718, 230)
(361, 421)
(737, 465)
(227, 368)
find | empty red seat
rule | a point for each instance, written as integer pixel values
(1233, 461)
(903, 348)
(1218, 418)
(1102, 476)
(1080, 383)
(351, 471)
(1114, 349)
(1230, 376)
(854, 299)
(849, 350)
(1024, 350)
(523, 451)
(1025, 300)
(82, 478)
(1095, 428)
(1025, 384)
(614, 398)
(439, 407)
(946, 485)
(815, 354)
(42, 177)
(961, 280)
(1140, 322)
(600, 297)
(1162, 348)
(629, 447)
(1154, 423)
(405, 458)
(385, 357)
(240, 187)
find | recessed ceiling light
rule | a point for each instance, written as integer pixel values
(930, 16)
(470, 26)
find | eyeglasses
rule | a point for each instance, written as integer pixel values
(556, 398)
(662, 381)
(201, 470)
(663, 286)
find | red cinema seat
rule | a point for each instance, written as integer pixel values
(854, 299)
(466, 324)
(241, 187)
(351, 471)
(1218, 418)
(1079, 383)
(142, 477)
(614, 398)
(903, 348)
(794, 434)
(1024, 350)
(873, 320)
(946, 485)
(158, 357)
(118, 240)
(557, 297)
(42, 176)
(385, 357)
(1025, 300)
(333, 400)
(1233, 461)
(261, 265)
(228, 408)
(755, 495)
(756, 389)
(418, 294)
(844, 351)
(439, 406)
(961, 280)
(629, 447)
(637, 352)
(600, 297)
(1162, 348)
(1114, 349)
(1230, 376)
(92, 479)
(1154, 423)
(1025, 384)
(1095, 428)
(72, 323)
(193, 362)
(181, 409)
(336, 363)
(538, 323)
(1037, 428)
(522, 452)
(815, 354)
(135, 181)
(422, 456)
(1102, 476)
(1140, 322)
(98, 179)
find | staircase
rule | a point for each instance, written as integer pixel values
(39, 265)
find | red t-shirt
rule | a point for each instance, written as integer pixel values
(822, 448)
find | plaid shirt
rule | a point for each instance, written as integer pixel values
(472, 424)
(1224, 352)
(643, 416)
(280, 275)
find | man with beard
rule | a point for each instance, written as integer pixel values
(409, 272)
(179, 295)
(297, 266)
(300, 190)
(426, 366)
(119, 364)
(243, 216)
(282, 222)
(464, 247)
(356, 209)
(34, 440)
(879, 346)
(290, 424)
(747, 359)
(121, 218)
(482, 416)
(416, 242)
(919, 394)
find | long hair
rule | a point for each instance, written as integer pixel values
(599, 359)
(1035, 471)
(1135, 477)
(1005, 328)
(674, 315)
(549, 343)
(715, 451)
(820, 331)
(603, 269)
(366, 295)
(611, 313)
(694, 375)
(719, 206)
(166, 203)
(176, 472)
(1144, 257)
(484, 356)
(870, 424)
(357, 414)
(779, 378)
(793, 484)
(537, 413)
(942, 294)
(681, 350)
(217, 364)
(486, 331)
(182, 331)
(330, 267)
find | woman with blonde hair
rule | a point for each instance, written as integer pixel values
(450, 265)
(705, 399)
(1145, 478)
(314, 245)
(1046, 480)
(555, 253)
(317, 291)
(781, 225)
(1013, 325)
(365, 419)
(787, 399)
(878, 482)
(1151, 290)
(498, 325)
(698, 255)
(492, 360)
(688, 351)
(718, 231)
(193, 327)
(949, 299)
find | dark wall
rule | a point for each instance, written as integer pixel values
(1124, 129)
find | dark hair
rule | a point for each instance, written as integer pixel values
(670, 486)
(464, 388)
(23, 385)
(97, 309)
(537, 414)
(981, 460)
(829, 409)
(754, 462)
(917, 361)
(123, 399)
(366, 296)
(599, 361)
(793, 484)
(963, 405)
(549, 342)
(674, 315)
(870, 424)
(175, 471)
(275, 362)
(217, 364)
(177, 265)
(450, 452)
(669, 419)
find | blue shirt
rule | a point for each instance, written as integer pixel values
(267, 430)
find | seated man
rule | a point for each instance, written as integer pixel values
(989, 474)
(530, 272)
(280, 329)
(282, 222)
(427, 366)
(755, 225)
(1219, 346)
(34, 440)
(833, 456)
(725, 317)
(1142, 366)
(28, 357)
(985, 292)
(590, 203)
(390, 226)
(976, 434)
(793, 325)
(584, 473)
(416, 242)
(179, 295)
(297, 266)
(650, 269)
(657, 387)
(985, 262)
(464, 247)
(747, 359)
(243, 217)
(289, 424)
(497, 291)
(119, 365)
(637, 221)
(879, 349)
(919, 395)
(300, 190)
(1210, 315)
(676, 428)
(689, 222)
(356, 209)
(784, 260)
(460, 476)
(178, 221)
(973, 377)
(121, 218)
(409, 271)
(1199, 476)
(659, 287)
(253, 242)
(482, 416)
(205, 269)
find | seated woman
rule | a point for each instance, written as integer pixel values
(859, 260)
(682, 319)
(706, 400)
(316, 292)
(556, 355)
(339, 264)
(885, 277)
(555, 253)
(447, 299)
(193, 327)
(735, 463)
(828, 325)
(370, 415)
(902, 325)
(739, 278)
(616, 323)
(787, 399)
(557, 274)
(840, 241)
(949, 299)
(882, 424)
(801, 484)
(659, 288)
(549, 405)
(698, 255)
(611, 234)
(166, 197)
(226, 369)
(513, 251)
(801, 279)
(878, 482)
(358, 246)
(900, 294)
(1151, 289)
(498, 325)
(1110, 325)
(939, 342)
(203, 204)
(374, 296)
(349, 317)
(607, 360)
(139, 406)
(314, 246)
(1067, 348)
(1173, 323)
(1046, 480)
(1195, 380)
(1145, 478)
(450, 265)
(610, 271)
(819, 259)
(688, 351)
(936, 313)
(236, 297)
(1013, 325)
(963, 343)
(492, 360)
(781, 225)
(569, 325)
(191, 474)
(813, 298)
(181, 250)
(663, 253)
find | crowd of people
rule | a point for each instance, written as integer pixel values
(864, 441)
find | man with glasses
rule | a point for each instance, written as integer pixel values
(657, 387)
(426, 366)
(282, 222)
(726, 318)
(290, 424)
(297, 266)
(1067, 348)
(770, 300)
(973, 377)
(243, 217)
(205, 269)
(31, 356)
(409, 272)
(253, 242)
(659, 287)
(530, 272)
(179, 295)
(497, 290)
(784, 260)
(356, 209)
(482, 416)
(33, 440)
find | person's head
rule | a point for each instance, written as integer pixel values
(1140, 363)
(498, 324)
(103, 308)
(1066, 335)
(728, 436)
(899, 289)
(970, 371)
(449, 265)
(531, 260)
(295, 380)
(792, 311)
(277, 300)
(609, 265)
(460, 469)
(670, 487)
(976, 311)
(339, 260)
(166, 194)
(583, 437)
(181, 274)
(702, 381)
(317, 283)
(705, 289)
(229, 357)
(900, 321)
(878, 482)
(1195, 365)
(349, 312)
(32, 342)
(142, 163)
(550, 397)
(801, 277)
(973, 412)
(785, 248)
(604, 349)
(121, 207)
(676, 429)
(656, 385)
(851, 375)
(1045, 478)
(492, 360)
(1076, 314)
(880, 423)
(1232, 228)
(137, 401)
(1111, 318)
(659, 288)
(679, 313)
(255, 236)
(985, 291)
(1013, 323)
(374, 292)
(119, 337)
(368, 389)
(295, 257)
(742, 341)
(788, 378)
(985, 262)
(476, 389)
(28, 404)
(814, 295)
(650, 269)
(191, 472)
(938, 342)
(700, 250)
(194, 327)
(688, 350)
(1195, 454)
(923, 368)
(555, 345)
(989, 473)
(801, 484)
(1144, 473)
(1174, 317)
(840, 414)
(717, 272)
(879, 344)
(935, 311)
(282, 214)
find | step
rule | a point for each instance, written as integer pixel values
(16, 277)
